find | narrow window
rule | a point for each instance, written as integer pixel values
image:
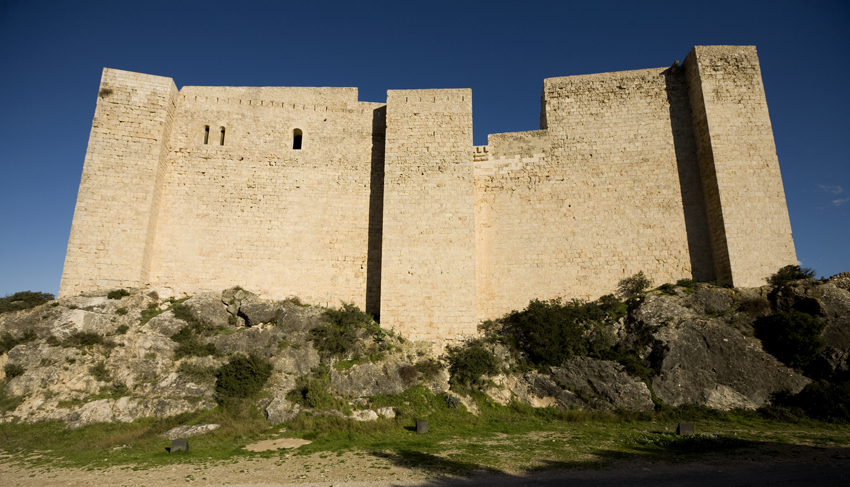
(206, 134)
(296, 139)
(221, 142)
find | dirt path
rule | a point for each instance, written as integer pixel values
(822, 468)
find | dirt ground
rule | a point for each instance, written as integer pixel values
(821, 467)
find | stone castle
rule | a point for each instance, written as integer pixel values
(309, 192)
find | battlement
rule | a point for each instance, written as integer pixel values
(309, 192)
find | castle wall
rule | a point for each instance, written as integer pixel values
(615, 191)
(428, 266)
(255, 211)
(750, 227)
(672, 172)
(115, 217)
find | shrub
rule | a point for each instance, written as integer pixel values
(13, 370)
(194, 348)
(792, 337)
(23, 300)
(314, 392)
(122, 330)
(99, 372)
(82, 339)
(242, 377)
(788, 274)
(754, 306)
(8, 342)
(197, 373)
(196, 325)
(409, 374)
(428, 368)
(118, 294)
(119, 389)
(348, 315)
(334, 340)
(469, 362)
(634, 286)
(121, 311)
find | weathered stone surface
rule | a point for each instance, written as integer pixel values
(709, 363)
(280, 410)
(296, 361)
(368, 380)
(127, 409)
(257, 313)
(208, 308)
(189, 431)
(364, 415)
(606, 379)
(536, 390)
(262, 342)
(299, 318)
(711, 300)
(165, 324)
(841, 280)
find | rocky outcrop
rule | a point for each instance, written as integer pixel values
(605, 379)
(709, 363)
(89, 359)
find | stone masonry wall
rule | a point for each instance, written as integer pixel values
(255, 211)
(750, 227)
(428, 271)
(669, 171)
(616, 191)
(115, 216)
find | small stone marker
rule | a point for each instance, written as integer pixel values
(421, 427)
(179, 445)
(685, 429)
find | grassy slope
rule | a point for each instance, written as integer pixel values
(513, 438)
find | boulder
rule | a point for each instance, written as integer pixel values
(280, 410)
(297, 318)
(605, 379)
(296, 360)
(709, 300)
(258, 313)
(712, 364)
(262, 342)
(368, 380)
(536, 390)
(127, 409)
(208, 308)
(189, 431)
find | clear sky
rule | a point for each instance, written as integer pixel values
(52, 54)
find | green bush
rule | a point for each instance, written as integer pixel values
(790, 273)
(338, 335)
(242, 377)
(792, 337)
(23, 300)
(8, 342)
(428, 368)
(197, 373)
(122, 330)
(467, 363)
(99, 372)
(83, 339)
(194, 348)
(196, 325)
(13, 370)
(551, 332)
(314, 392)
(822, 399)
(121, 311)
(634, 286)
(118, 294)
(408, 374)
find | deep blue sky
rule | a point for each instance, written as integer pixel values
(52, 54)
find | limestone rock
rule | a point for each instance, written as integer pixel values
(387, 412)
(709, 363)
(208, 308)
(606, 379)
(280, 410)
(367, 380)
(127, 409)
(257, 313)
(299, 318)
(165, 324)
(536, 390)
(364, 415)
(189, 431)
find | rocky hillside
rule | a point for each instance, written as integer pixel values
(124, 355)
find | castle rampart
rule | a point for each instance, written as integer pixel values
(310, 192)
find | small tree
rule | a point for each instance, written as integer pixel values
(790, 273)
(636, 285)
(792, 337)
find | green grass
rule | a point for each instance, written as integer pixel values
(512, 438)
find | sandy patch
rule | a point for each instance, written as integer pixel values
(277, 444)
